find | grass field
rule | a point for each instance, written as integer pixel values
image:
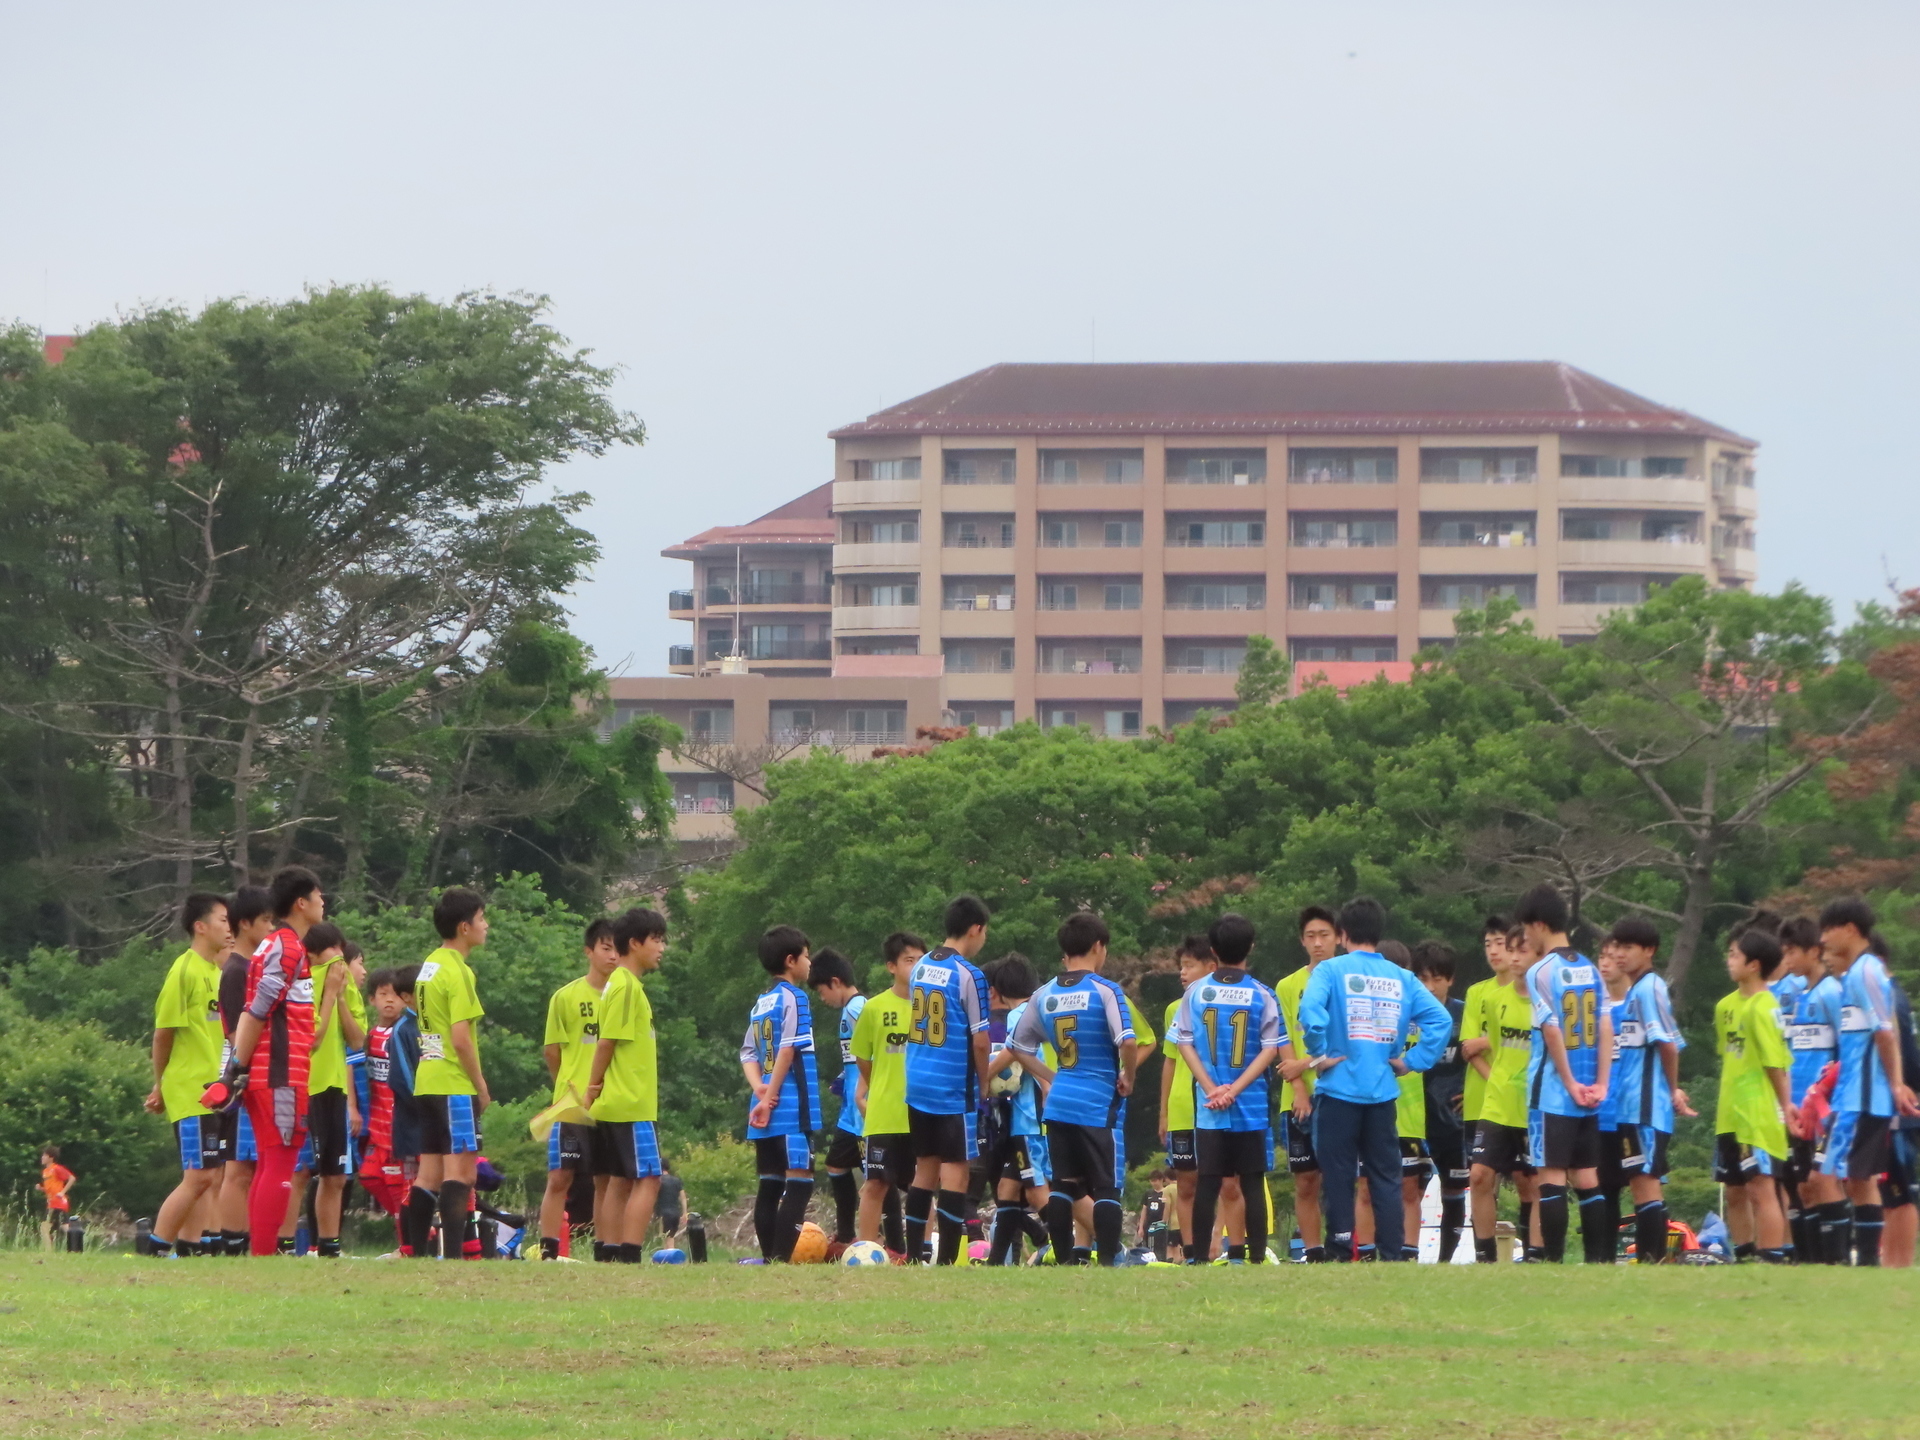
(110, 1346)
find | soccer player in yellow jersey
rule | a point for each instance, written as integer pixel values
(880, 1052)
(1320, 940)
(573, 1033)
(623, 1090)
(449, 1089)
(1500, 1138)
(1750, 1132)
(332, 1113)
(187, 1045)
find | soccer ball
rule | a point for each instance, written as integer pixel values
(978, 1252)
(669, 1257)
(811, 1247)
(864, 1252)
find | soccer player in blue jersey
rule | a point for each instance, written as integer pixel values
(1085, 1018)
(1871, 1088)
(830, 977)
(947, 1053)
(1230, 1033)
(1018, 1158)
(777, 1056)
(1355, 1016)
(1567, 1076)
(1816, 1203)
(1644, 1086)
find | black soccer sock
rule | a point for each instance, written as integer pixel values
(1006, 1231)
(1036, 1229)
(1486, 1252)
(1553, 1222)
(1236, 1252)
(1453, 1220)
(605, 1254)
(970, 1218)
(846, 1204)
(1834, 1223)
(1650, 1232)
(1868, 1223)
(1525, 1231)
(549, 1247)
(1060, 1227)
(1779, 1255)
(629, 1253)
(1253, 1185)
(1745, 1251)
(919, 1209)
(182, 1248)
(209, 1243)
(891, 1229)
(1106, 1226)
(416, 1220)
(951, 1205)
(328, 1247)
(233, 1242)
(455, 1196)
(1610, 1205)
(766, 1214)
(1598, 1241)
(794, 1199)
(1206, 1202)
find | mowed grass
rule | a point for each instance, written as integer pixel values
(109, 1346)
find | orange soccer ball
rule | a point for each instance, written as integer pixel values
(811, 1247)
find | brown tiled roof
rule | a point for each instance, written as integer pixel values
(1266, 399)
(807, 520)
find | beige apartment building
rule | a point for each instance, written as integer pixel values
(1093, 544)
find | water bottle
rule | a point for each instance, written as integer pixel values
(143, 1242)
(1297, 1248)
(76, 1236)
(696, 1238)
(1157, 1239)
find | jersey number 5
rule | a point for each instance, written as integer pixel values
(1066, 1049)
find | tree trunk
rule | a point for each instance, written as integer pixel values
(1693, 914)
(181, 801)
(243, 798)
(283, 849)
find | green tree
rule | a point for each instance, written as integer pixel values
(1265, 673)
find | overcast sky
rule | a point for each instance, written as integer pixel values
(777, 218)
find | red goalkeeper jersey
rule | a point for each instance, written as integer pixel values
(379, 1092)
(280, 997)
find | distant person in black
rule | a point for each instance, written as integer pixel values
(669, 1208)
(1446, 1083)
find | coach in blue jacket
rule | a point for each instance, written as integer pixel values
(1356, 1016)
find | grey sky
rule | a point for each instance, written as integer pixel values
(777, 218)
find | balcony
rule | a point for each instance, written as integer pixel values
(1252, 602)
(837, 739)
(876, 617)
(962, 662)
(895, 555)
(1736, 498)
(1070, 664)
(703, 804)
(728, 596)
(986, 541)
(679, 600)
(680, 656)
(758, 650)
(1688, 490)
(1217, 535)
(1449, 538)
(1688, 554)
(1206, 660)
(1342, 603)
(977, 602)
(897, 493)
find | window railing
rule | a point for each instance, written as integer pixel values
(1206, 667)
(1300, 604)
(679, 600)
(979, 542)
(1321, 475)
(811, 735)
(1061, 665)
(789, 649)
(1249, 604)
(679, 655)
(977, 602)
(1345, 542)
(1217, 542)
(968, 665)
(1434, 602)
(703, 804)
(1514, 541)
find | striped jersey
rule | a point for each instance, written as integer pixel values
(1229, 1018)
(1085, 1018)
(1638, 1091)
(1565, 991)
(1813, 1034)
(1866, 1008)
(280, 996)
(849, 1120)
(949, 998)
(782, 1020)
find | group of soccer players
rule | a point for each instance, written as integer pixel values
(964, 1082)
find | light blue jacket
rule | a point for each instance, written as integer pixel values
(1361, 1006)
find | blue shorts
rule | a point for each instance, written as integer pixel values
(304, 1162)
(202, 1140)
(776, 1154)
(1120, 1155)
(245, 1149)
(1040, 1156)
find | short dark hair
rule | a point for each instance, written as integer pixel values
(830, 965)
(1516, 935)
(455, 908)
(249, 902)
(1231, 938)
(385, 978)
(1801, 933)
(406, 979)
(1635, 930)
(1312, 913)
(1761, 948)
(1543, 905)
(1852, 911)
(636, 927)
(778, 946)
(1012, 976)
(197, 906)
(1363, 920)
(898, 943)
(1197, 947)
(1764, 919)
(1434, 957)
(324, 936)
(963, 913)
(1495, 925)
(290, 886)
(53, 1150)
(1080, 932)
(598, 930)
(1397, 952)
(350, 950)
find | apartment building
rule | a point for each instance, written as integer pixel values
(1093, 544)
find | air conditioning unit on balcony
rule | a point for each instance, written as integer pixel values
(733, 664)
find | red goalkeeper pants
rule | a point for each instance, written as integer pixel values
(272, 1188)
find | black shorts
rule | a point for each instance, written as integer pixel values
(1299, 1138)
(572, 1147)
(1233, 1152)
(202, 1142)
(1802, 1159)
(447, 1125)
(626, 1149)
(1013, 1159)
(1181, 1154)
(1083, 1156)
(1415, 1161)
(780, 1154)
(1897, 1186)
(946, 1138)
(890, 1158)
(1501, 1148)
(1449, 1152)
(1641, 1150)
(843, 1151)
(1563, 1142)
(327, 1130)
(1857, 1145)
(1736, 1164)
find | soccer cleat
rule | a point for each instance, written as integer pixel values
(750, 1260)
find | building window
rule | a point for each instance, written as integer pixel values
(1232, 534)
(883, 532)
(1473, 594)
(966, 593)
(1090, 657)
(713, 725)
(1228, 467)
(1344, 532)
(1627, 467)
(1206, 659)
(987, 722)
(980, 534)
(1056, 595)
(1217, 595)
(1123, 724)
(1062, 719)
(1123, 595)
(1332, 651)
(1500, 532)
(1477, 467)
(979, 659)
(1090, 467)
(1603, 589)
(984, 467)
(877, 726)
(1343, 467)
(1343, 592)
(903, 469)
(904, 592)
